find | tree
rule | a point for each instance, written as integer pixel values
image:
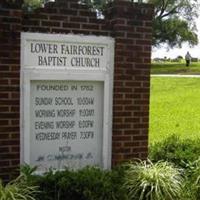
(173, 21)
(32, 4)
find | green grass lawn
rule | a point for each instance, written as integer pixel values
(175, 68)
(174, 107)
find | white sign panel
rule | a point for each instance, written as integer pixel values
(66, 123)
(66, 101)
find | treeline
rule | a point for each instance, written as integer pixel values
(177, 59)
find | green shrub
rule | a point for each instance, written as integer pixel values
(89, 183)
(17, 190)
(193, 179)
(175, 150)
(148, 181)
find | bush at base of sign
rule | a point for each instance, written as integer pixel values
(185, 154)
(17, 189)
(145, 180)
(89, 183)
(132, 181)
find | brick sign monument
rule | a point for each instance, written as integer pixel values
(74, 89)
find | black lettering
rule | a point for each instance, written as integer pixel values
(65, 124)
(74, 87)
(87, 87)
(32, 49)
(85, 62)
(66, 113)
(87, 135)
(85, 101)
(40, 61)
(52, 61)
(63, 101)
(86, 112)
(44, 48)
(52, 87)
(82, 50)
(86, 124)
(64, 148)
(43, 101)
(41, 136)
(42, 113)
(44, 125)
(69, 135)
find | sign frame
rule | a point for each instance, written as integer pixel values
(32, 73)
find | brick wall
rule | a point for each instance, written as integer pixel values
(130, 25)
(10, 27)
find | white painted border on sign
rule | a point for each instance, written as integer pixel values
(34, 73)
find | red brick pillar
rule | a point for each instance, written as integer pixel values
(10, 27)
(130, 25)
(132, 28)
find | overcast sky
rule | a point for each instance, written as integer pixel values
(173, 53)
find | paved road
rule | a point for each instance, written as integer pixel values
(175, 75)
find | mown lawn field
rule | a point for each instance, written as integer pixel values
(174, 107)
(175, 68)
